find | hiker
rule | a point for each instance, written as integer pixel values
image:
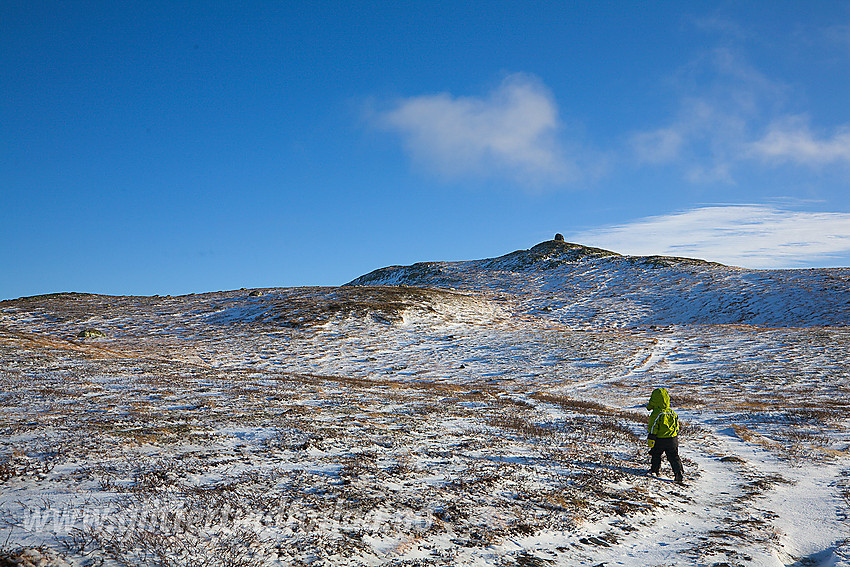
(663, 433)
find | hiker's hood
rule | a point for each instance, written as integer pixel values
(659, 399)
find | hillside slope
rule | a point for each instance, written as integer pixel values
(395, 425)
(579, 285)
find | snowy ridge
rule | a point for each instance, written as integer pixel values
(572, 284)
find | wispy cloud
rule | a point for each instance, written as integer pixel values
(722, 101)
(754, 236)
(730, 116)
(512, 131)
(791, 140)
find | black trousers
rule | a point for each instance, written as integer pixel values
(670, 446)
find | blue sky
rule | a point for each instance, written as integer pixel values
(168, 148)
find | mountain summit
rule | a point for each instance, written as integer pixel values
(576, 284)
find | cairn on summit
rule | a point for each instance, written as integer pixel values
(559, 237)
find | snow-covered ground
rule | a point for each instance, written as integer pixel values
(498, 423)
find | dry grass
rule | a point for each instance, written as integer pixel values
(326, 460)
(587, 407)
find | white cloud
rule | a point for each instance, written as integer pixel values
(512, 131)
(659, 146)
(753, 236)
(722, 98)
(731, 117)
(791, 140)
(705, 141)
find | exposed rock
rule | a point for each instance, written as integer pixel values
(32, 557)
(90, 333)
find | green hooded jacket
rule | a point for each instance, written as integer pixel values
(663, 421)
